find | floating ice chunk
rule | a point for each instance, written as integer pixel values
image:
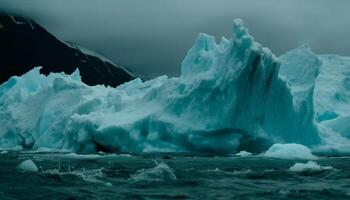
(289, 151)
(243, 154)
(28, 166)
(3, 152)
(309, 166)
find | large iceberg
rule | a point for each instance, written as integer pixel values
(231, 96)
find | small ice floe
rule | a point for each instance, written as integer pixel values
(243, 154)
(289, 151)
(27, 166)
(309, 166)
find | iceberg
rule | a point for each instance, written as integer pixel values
(232, 96)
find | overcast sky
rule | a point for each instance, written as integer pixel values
(151, 37)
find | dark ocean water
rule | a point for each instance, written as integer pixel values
(171, 176)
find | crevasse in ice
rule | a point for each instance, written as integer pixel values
(231, 96)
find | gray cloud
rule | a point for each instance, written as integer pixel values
(151, 37)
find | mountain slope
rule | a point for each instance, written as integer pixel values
(25, 45)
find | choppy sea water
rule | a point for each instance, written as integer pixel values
(169, 176)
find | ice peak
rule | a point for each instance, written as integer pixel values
(204, 42)
(238, 28)
(241, 34)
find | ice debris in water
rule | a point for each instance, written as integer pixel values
(243, 154)
(231, 95)
(3, 152)
(289, 151)
(27, 166)
(309, 166)
(161, 172)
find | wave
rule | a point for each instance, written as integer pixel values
(88, 175)
(160, 173)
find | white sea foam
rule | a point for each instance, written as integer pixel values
(309, 166)
(88, 175)
(161, 172)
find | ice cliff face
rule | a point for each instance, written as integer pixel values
(231, 96)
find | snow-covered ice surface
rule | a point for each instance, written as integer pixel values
(289, 151)
(231, 96)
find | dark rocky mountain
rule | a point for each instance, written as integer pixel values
(24, 45)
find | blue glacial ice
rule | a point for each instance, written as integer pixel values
(232, 96)
(27, 166)
(289, 151)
